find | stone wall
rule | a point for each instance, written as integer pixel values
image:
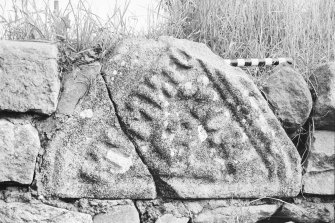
(161, 131)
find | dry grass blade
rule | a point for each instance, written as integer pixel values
(77, 26)
(304, 30)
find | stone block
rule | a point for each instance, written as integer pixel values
(289, 97)
(320, 171)
(37, 212)
(323, 82)
(29, 79)
(19, 147)
(87, 154)
(202, 127)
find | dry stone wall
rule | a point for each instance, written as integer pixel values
(164, 131)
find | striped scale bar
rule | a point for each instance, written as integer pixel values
(258, 62)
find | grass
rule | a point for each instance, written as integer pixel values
(300, 29)
(303, 30)
(76, 27)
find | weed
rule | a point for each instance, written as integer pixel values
(304, 30)
(76, 27)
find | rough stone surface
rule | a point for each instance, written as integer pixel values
(313, 213)
(304, 211)
(38, 212)
(86, 153)
(88, 205)
(323, 82)
(249, 214)
(119, 214)
(204, 211)
(19, 146)
(288, 96)
(29, 78)
(320, 170)
(15, 194)
(201, 126)
(169, 218)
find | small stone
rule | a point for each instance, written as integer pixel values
(203, 80)
(19, 146)
(118, 214)
(123, 63)
(202, 133)
(88, 113)
(243, 214)
(169, 218)
(289, 97)
(323, 82)
(320, 173)
(76, 86)
(93, 203)
(114, 72)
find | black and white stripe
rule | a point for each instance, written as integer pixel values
(258, 62)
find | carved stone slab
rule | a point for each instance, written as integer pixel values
(202, 127)
(87, 154)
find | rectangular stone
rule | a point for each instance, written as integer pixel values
(319, 177)
(19, 146)
(29, 80)
(39, 212)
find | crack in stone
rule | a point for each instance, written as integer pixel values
(138, 210)
(123, 128)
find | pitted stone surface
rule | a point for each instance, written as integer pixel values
(88, 155)
(29, 78)
(202, 127)
(19, 146)
(38, 212)
(323, 82)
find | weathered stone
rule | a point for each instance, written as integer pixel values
(38, 212)
(249, 214)
(152, 211)
(88, 155)
(15, 194)
(29, 78)
(169, 218)
(75, 86)
(19, 146)
(306, 212)
(289, 97)
(323, 82)
(201, 126)
(119, 214)
(320, 171)
(204, 211)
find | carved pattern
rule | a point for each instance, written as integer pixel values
(178, 112)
